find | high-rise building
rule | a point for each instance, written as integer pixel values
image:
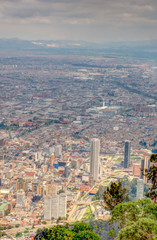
(136, 170)
(62, 205)
(38, 156)
(35, 187)
(67, 170)
(20, 202)
(55, 206)
(47, 207)
(21, 184)
(91, 180)
(146, 167)
(58, 150)
(127, 154)
(94, 158)
(142, 169)
(140, 189)
(51, 189)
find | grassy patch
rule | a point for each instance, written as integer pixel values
(88, 214)
(118, 160)
(106, 181)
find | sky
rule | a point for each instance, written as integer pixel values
(88, 20)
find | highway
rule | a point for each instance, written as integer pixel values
(79, 211)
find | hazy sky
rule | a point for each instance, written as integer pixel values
(89, 20)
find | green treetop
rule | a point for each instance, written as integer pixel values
(80, 231)
(137, 220)
(114, 195)
(151, 174)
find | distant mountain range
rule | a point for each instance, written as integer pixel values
(139, 49)
(18, 44)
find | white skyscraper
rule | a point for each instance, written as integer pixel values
(94, 158)
(55, 206)
(47, 207)
(140, 189)
(20, 202)
(58, 150)
(62, 205)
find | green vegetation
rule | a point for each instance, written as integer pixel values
(44, 222)
(106, 181)
(88, 214)
(18, 235)
(136, 220)
(6, 212)
(115, 194)
(79, 231)
(118, 160)
(61, 191)
(99, 193)
(152, 175)
(60, 219)
(17, 225)
(2, 234)
(131, 187)
(142, 229)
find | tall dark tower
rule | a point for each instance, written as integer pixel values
(127, 154)
(142, 169)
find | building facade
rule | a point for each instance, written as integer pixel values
(55, 206)
(140, 189)
(94, 158)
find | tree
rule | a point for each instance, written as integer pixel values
(43, 222)
(17, 225)
(80, 231)
(136, 220)
(114, 195)
(86, 235)
(18, 235)
(2, 234)
(81, 227)
(151, 174)
(143, 229)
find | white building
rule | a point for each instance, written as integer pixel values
(58, 150)
(94, 158)
(140, 189)
(47, 207)
(20, 201)
(62, 205)
(55, 206)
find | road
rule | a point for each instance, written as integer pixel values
(79, 211)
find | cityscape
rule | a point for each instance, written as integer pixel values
(69, 126)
